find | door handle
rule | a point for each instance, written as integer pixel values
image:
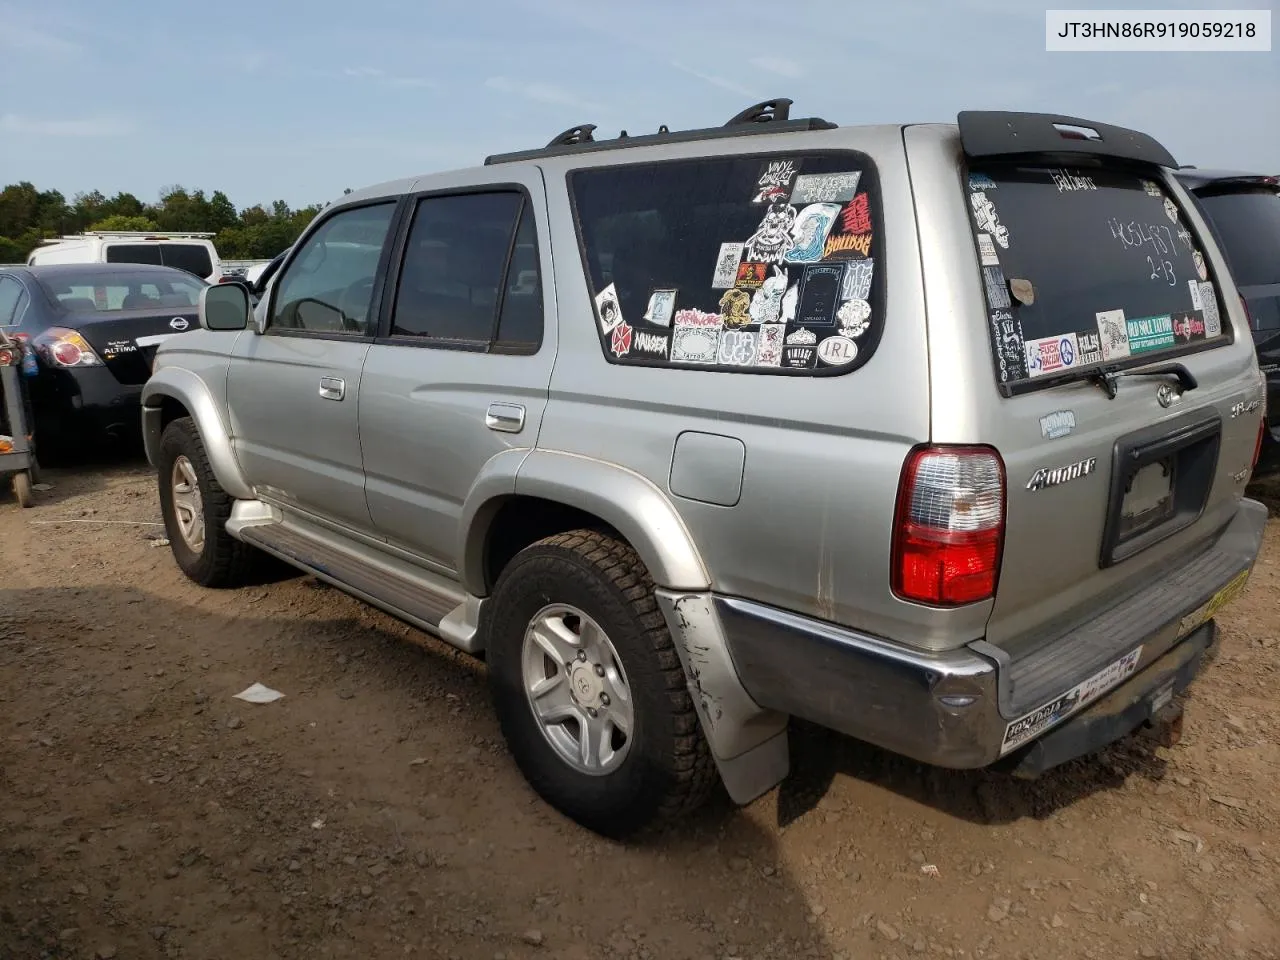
(505, 417)
(333, 388)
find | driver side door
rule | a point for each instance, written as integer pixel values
(293, 391)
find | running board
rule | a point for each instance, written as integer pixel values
(423, 599)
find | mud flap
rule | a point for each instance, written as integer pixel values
(1144, 701)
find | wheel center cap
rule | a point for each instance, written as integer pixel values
(585, 685)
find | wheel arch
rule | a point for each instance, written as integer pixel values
(172, 393)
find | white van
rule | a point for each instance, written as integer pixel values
(193, 252)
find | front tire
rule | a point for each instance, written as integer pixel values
(196, 510)
(589, 689)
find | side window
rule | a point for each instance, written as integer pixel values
(747, 264)
(328, 287)
(191, 257)
(11, 297)
(134, 253)
(464, 279)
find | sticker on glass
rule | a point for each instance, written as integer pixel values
(980, 181)
(837, 351)
(737, 348)
(772, 238)
(984, 214)
(809, 232)
(769, 348)
(856, 284)
(851, 236)
(1051, 354)
(775, 181)
(1149, 333)
(1201, 271)
(799, 349)
(1090, 349)
(620, 343)
(819, 293)
(987, 251)
(854, 317)
(1170, 209)
(1067, 181)
(734, 308)
(694, 344)
(1152, 188)
(1114, 334)
(826, 187)
(766, 303)
(751, 275)
(1197, 303)
(1184, 235)
(790, 299)
(696, 318)
(608, 309)
(1011, 354)
(662, 304)
(727, 261)
(1209, 308)
(997, 288)
(1188, 327)
(650, 344)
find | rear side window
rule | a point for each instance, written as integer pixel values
(134, 253)
(11, 297)
(192, 257)
(1085, 267)
(1249, 225)
(747, 264)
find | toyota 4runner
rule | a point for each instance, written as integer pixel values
(936, 435)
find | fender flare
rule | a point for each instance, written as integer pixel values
(186, 388)
(632, 504)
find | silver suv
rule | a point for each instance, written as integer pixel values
(936, 435)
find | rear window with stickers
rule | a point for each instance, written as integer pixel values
(764, 264)
(1084, 268)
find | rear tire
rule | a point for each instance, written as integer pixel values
(592, 602)
(196, 510)
(22, 489)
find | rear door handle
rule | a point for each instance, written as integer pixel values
(505, 417)
(333, 388)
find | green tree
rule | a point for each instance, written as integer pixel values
(119, 222)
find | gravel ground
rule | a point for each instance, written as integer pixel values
(374, 812)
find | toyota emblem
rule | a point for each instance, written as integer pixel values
(178, 323)
(1166, 395)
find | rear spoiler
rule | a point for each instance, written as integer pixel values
(998, 133)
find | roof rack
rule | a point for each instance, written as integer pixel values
(768, 116)
(130, 235)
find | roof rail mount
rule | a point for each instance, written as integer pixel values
(763, 112)
(578, 134)
(769, 116)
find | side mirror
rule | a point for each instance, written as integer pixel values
(224, 306)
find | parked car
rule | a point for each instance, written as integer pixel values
(888, 428)
(95, 329)
(192, 252)
(1243, 209)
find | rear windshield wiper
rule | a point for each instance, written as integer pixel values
(1108, 378)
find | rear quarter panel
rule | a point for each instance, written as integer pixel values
(811, 529)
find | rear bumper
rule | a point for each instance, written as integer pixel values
(959, 709)
(89, 399)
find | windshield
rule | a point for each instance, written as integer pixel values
(1086, 266)
(1249, 224)
(95, 292)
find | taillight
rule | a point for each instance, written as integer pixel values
(948, 530)
(7, 357)
(66, 348)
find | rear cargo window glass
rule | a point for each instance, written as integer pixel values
(191, 257)
(134, 253)
(103, 292)
(750, 264)
(1249, 225)
(1084, 267)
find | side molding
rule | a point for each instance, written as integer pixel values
(629, 502)
(189, 390)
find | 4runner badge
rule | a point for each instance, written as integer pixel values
(1053, 476)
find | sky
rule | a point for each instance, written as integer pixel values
(297, 101)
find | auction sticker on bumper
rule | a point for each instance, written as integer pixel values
(1204, 613)
(1030, 726)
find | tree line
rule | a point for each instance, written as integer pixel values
(28, 215)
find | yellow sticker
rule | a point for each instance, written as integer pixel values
(1206, 611)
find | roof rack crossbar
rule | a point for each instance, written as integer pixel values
(768, 116)
(1000, 133)
(149, 234)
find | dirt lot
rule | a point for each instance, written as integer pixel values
(374, 812)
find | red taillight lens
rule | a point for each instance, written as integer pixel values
(7, 358)
(66, 353)
(948, 531)
(66, 348)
